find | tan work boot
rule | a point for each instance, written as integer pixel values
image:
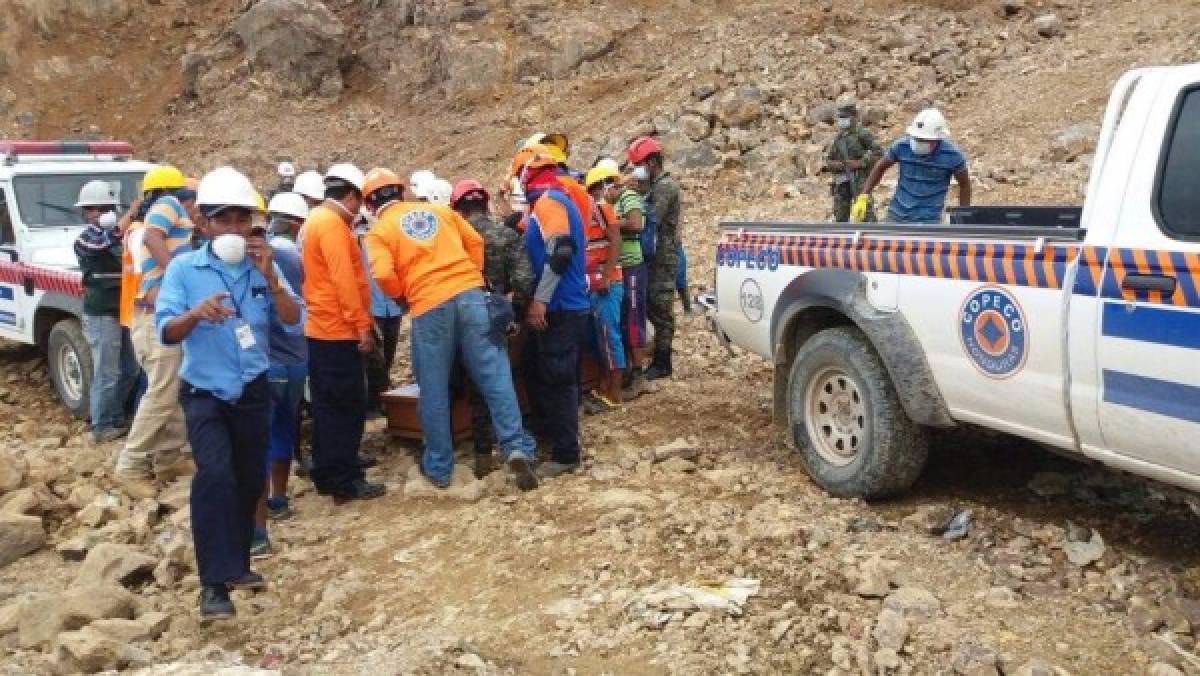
(137, 486)
(181, 467)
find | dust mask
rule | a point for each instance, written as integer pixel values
(107, 220)
(641, 173)
(230, 248)
(844, 123)
(920, 147)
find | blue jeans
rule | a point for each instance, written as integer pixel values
(114, 370)
(460, 326)
(286, 382)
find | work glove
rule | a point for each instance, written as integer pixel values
(858, 212)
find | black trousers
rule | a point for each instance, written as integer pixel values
(339, 409)
(229, 445)
(552, 368)
(379, 362)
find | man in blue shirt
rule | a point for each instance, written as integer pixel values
(927, 159)
(220, 302)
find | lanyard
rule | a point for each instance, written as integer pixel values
(234, 298)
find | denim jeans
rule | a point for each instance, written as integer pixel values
(114, 370)
(286, 382)
(460, 326)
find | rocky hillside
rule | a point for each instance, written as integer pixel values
(1002, 561)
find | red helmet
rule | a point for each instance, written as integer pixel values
(465, 187)
(642, 148)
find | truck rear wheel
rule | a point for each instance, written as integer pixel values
(70, 365)
(852, 432)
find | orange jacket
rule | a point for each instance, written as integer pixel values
(599, 247)
(335, 284)
(578, 194)
(425, 254)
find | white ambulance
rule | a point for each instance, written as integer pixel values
(1079, 329)
(41, 292)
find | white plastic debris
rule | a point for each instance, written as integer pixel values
(658, 605)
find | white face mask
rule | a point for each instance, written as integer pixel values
(844, 123)
(641, 173)
(920, 147)
(230, 248)
(107, 220)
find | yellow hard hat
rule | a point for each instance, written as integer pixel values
(597, 174)
(163, 177)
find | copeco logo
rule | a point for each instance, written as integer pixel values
(419, 225)
(993, 332)
(750, 297)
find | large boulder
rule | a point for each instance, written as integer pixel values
(109, 563)
(42, 617)
(740, 107)
(19, 535)
(299, 42)
(12, 472)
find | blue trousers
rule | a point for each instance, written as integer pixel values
(339, 408)
(287, 389)
(229, 442)
(114, 370)
(461, 327)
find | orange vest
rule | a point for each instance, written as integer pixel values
(599, 249)
(131, 280)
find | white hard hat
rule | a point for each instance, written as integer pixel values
(609, 163)
(288, 204)
(420, 181)
(929, 125)
(347, 173)
(440, 191)
(97, 194)
(227, 187)
(286, 169)
(310, 184)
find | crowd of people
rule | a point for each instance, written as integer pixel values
(210, 309)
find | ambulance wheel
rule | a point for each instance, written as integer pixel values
(847, 422)
(70, 362)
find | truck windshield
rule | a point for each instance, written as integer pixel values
(49, 200)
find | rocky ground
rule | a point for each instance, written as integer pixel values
(692, 542)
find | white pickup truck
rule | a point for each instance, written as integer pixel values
(1080, 331)
(41, 292)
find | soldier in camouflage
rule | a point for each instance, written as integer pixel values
(507, 269)
(851, 156)
(663, 200)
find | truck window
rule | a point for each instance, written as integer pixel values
(1178, 200)
(49, 200)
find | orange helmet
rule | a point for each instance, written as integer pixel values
(382, 186)
(380, 177)
(525, 155)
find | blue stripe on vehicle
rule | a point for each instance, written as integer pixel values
(6, 293)
(7, 318)
(1174, 400)
(1149, 324)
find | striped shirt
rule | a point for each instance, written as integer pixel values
(168, 216)
(631, 243)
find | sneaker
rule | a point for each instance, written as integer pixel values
(109, 434)
(550, 470)
(279, 508)
(215, 603)
(358, 490)
(260, 548)
(250, 581)
(522, 471)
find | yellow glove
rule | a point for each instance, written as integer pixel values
(858, 212)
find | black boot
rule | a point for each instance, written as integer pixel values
(660, 367)
(685, 300)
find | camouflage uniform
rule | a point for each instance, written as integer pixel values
(663, 197)
(506, 266)
(854, 143)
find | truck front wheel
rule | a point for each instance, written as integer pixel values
(70, 365)
(851, 430)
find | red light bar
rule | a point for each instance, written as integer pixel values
(66, 148)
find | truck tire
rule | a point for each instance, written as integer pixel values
(70, 365)
(851, 430)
